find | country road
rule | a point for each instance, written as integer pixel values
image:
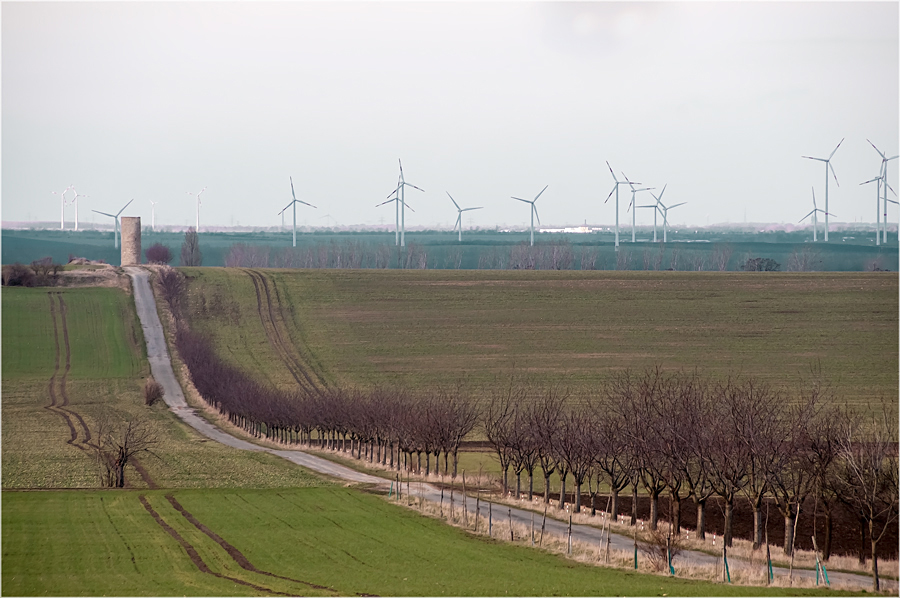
(161, 368)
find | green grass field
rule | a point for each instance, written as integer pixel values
(96, 543)
(424, 328)
(108, 368)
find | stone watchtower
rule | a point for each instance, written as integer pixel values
(131, 240)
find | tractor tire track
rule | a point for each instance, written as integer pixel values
(143, 473)
(195, 556)
(233, 552)
(313, 369)
(53, 407)
(273, 332)
(62, 381)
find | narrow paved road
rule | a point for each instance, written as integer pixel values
(161, 368)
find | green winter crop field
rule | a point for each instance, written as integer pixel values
(312, 541)
(424, 328)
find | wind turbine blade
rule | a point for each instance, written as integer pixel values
(876, 149)
(836, 149)
(829, 213)
(807, 216)
(833, 173)
(520, 199)
(894, 202)
(401, 166)
(878, 178)
(104, 213)
(451, 199)
(394, 191)
(661, 192)
(458, 222)
(612, 173)
(616, 186)
(413, 186)
(678, 204)
(539, 194)
(811, 158)
(470, 209)
(891, 188)
(814, 197)
(292, 189)
(536, 215)
(304, 203)
(408, 206)
(125, 206)
(892, 158)
(382, 203)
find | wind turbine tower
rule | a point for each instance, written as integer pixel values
(294, 202)
(883, 175)
(198, 207)
(534, 211)
(75, 201)
(616, 191)
(665, 215)
(459, 215)
(632, 204)
(828, 165)
(399, 196)
(116, 218)
(62, 212)
(815, 220)
(153, 214)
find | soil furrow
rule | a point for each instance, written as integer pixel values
(270, 326)
(309, 367)
(194, 555)
(138, 466)
(233, 552)
(119, 533)
(53, 406)
(62, 381)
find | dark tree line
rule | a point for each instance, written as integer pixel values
(693, 439)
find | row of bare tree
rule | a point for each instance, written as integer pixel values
(696, 439)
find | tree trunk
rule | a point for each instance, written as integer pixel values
(427, 463)
(546, 488)
(518, 483)
(593, 503)
(876, 583)
(634, 491)
(530, 485)
(826, 545)
(701, 519)
(788, 531)
(120, 475)
(758, 523)
(676, 513)
(654, 509)
(562, 489)
(506, 480)
(577, 496)
(455, 462)
(729, 517)
(614, 507)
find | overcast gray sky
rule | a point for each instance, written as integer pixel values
(485, 100)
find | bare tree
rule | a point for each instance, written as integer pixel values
(721, 255)
(190, 249)
(545, 417)
(118, 444)
(867, 474)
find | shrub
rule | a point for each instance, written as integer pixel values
(760, 264)
(171, 284)
(46, 273)
(158, 254)
(153, 391)
(18, 275)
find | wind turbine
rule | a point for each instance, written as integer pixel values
(827, 166)
(884, 169)
(534, 211)
(633, 191)
(813, 214)
(153, 214)
(400, 197)
(656, 208)
(62, 214)
(116, 217)
(75, 201)
(877, 207)
(459, 215)
(294, 203)
(616, 191)
(665, 215)
(198, 207)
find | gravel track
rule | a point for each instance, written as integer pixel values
(162, 370)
